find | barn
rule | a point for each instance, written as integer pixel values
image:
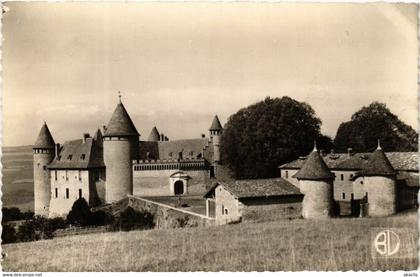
(255, 200)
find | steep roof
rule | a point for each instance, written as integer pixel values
(76, 154)
(377, 165)
(314, 168)
(45, 139)
(257, 188)
(120, 123)
(154, 135)
(215, 125)
(342, 161)
(170, 150)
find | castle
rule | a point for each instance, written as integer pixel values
(109, 166)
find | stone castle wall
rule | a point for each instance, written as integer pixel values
(318, 198)
(119, 172)
(42, 184)
(156, 182)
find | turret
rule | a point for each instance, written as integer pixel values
(120, 146)
(154, 135)
(316, 183)
(216, 131)
(379, 181)
(43, 153)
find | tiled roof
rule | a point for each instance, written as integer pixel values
(377, 165)
(215, 125)
(314, 168)
(120, 123)
(399, 161)
(154, 135)
(45, 139)
(169, 150)
(76, 154)
(258, 188)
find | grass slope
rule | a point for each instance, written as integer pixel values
(17, 180)
(337, 244)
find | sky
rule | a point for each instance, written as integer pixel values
(179, 64)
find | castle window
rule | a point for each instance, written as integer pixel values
(344, 195)
(351, 176)
(226, 212)
(67, 175)
(44, 167)
(191, 153)
(211, 171)
(352, 196)
(170, 154)
(80, 193)
(361, 182)
(55, 174)
(67, 193)
(287, 174)
(223, 210)
(341, 177)
(56, 192)
(70, 157)
(83, 156)
(80, 175)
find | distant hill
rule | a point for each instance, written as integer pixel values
(17, 179)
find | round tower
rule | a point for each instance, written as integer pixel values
(316, 184)
(379, 181)
(120, 146)
(43, 153)
(216, 131)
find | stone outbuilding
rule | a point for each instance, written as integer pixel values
(316, 183)
(378, 179)
(254, 200)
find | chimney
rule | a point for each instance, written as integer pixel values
(350, 152)
(57, 150)
(85, 136)
(203, 135)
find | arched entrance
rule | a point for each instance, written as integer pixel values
(179, 187)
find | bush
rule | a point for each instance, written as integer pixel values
(80, 213)
(10, 214)
(100, 218)
(131, 219)
(8, 234)
(40, 228)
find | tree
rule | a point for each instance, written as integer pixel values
(80, 213)
(259, 138)
(375, 122)
(130, 219)
(8, 234)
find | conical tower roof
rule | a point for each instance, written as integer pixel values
(45, 139)
(215, 125)
(154, 135)
(98, 135)
(120, 123)
(377, 165)
(314, 168)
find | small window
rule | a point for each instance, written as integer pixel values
(351, 176)
(361, 182)
(287, 174)
(67, 194)
(226, 212)
(80, 193)
(211, 171)
(341, 177)
(170, 154)
(70, 157)
(344, 195)
(83, 156)
(67, 175)
(223, 210)
(44, 167)
(191, 153)
(56, 192)
(55, 174)
(80, 175)
(352, 196)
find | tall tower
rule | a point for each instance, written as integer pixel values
(380, 184)
(43, 152)
(120, 144)
(216, 131)
(316, 183)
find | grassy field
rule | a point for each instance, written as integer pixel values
(18, 186)
(337, 244)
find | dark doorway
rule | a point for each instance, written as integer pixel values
(179, 187)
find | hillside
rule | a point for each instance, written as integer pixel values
(336, 244)
(18, 188)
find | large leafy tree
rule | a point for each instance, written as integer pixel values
(375, 122)
(259, 138)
